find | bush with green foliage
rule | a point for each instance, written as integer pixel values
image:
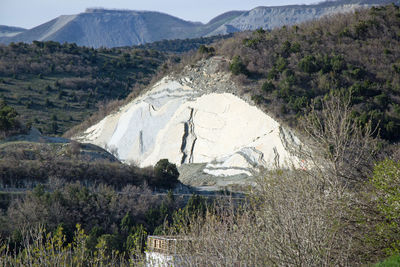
(209, 50)
(167, 174)
(8, 117)
(268, 87)
(237, 66)
(8, 120)
(393, 261)
(386, 187)
(308, 64)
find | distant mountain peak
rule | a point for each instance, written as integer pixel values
(99, 26)
(9, 31)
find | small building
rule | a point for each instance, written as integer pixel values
(161, 251)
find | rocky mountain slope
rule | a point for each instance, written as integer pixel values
(195, 117)
(7, 31)
(274, 17)
(111, 28)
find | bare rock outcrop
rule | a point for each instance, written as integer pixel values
(194, 118)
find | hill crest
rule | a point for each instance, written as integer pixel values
(98, 27)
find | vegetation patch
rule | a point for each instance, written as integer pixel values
(55, 86)
(287, 69)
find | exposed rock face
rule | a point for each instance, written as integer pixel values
(195, 118)
(7, 31)
(111, 28)
(273, 17)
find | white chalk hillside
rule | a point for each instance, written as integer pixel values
(190, 119)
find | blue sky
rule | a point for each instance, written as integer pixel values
(30, 13)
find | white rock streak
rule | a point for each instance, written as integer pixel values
(185, 125)
(60, 22)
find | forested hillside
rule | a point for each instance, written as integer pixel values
(55, 86)
(336, 80)
(359, 54)
(182, 45)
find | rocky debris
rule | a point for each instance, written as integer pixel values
(205, 77)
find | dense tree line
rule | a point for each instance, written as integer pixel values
(119, 219)
(182, 45)
(26, 164)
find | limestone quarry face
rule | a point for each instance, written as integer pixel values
(195, 118)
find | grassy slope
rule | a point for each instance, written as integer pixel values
(25, 163)
(390, 262)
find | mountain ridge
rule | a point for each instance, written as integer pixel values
(97, 27)
(9, 31)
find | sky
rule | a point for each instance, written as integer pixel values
(31, 13)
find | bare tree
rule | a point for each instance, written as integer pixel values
(288, 220)
(294, 217)
(342, 149)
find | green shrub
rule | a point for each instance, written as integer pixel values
(268, 87)
(258, 99)
(167, 174)
(8, 117)
(237, 66)
(308, 64)
(382, 100)
(252, 43)
(386, 185)
(289, 77)
(357, 73)
(393, 261)
(203, 49)
(286, 49)
(337, 63)
(281, 64)
(295, 48)
(361, 29)
(272, 74)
